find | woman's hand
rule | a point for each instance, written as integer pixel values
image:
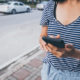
(44, 45)
(62, 52)
(58, 52)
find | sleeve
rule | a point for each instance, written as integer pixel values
(44, 18)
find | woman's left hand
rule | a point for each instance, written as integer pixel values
(61, 52)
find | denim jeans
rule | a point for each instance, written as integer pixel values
(48, 72)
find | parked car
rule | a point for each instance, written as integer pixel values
(14, 7)
(41, 5)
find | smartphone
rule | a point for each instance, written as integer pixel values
(55, 42)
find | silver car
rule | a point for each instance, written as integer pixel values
(14, 7)
(41, 5)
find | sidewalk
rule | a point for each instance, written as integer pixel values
(27, 68)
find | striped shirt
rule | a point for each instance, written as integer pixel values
(69, 33)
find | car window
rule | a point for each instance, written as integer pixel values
(21, 4)
(9, 3)
(16, 4)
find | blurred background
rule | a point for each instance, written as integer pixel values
(19, 39)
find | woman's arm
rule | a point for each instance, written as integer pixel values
(68, 51)
(44, 31)
(43, 44)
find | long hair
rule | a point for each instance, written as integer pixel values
(60, 1)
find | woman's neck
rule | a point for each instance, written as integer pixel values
(73, 2)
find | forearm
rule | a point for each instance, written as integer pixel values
(44, 31)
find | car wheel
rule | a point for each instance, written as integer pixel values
(28, 10)
(13, 11)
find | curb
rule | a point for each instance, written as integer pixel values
(26, 52)
(16, 58)
(20, 62)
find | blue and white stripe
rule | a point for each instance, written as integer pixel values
(69, 33)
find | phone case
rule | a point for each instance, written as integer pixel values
(56, 42)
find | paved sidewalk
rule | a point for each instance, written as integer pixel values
(27, 68)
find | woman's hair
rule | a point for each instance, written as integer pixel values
(60, 1)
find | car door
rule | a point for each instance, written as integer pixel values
(22, 7)
(16, 6)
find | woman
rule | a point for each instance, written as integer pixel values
(61, 19)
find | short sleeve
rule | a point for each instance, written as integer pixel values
(44, 18)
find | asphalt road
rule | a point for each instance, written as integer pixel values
(18, 33)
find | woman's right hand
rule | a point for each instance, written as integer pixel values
(43, 44)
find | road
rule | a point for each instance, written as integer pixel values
(18, 33)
